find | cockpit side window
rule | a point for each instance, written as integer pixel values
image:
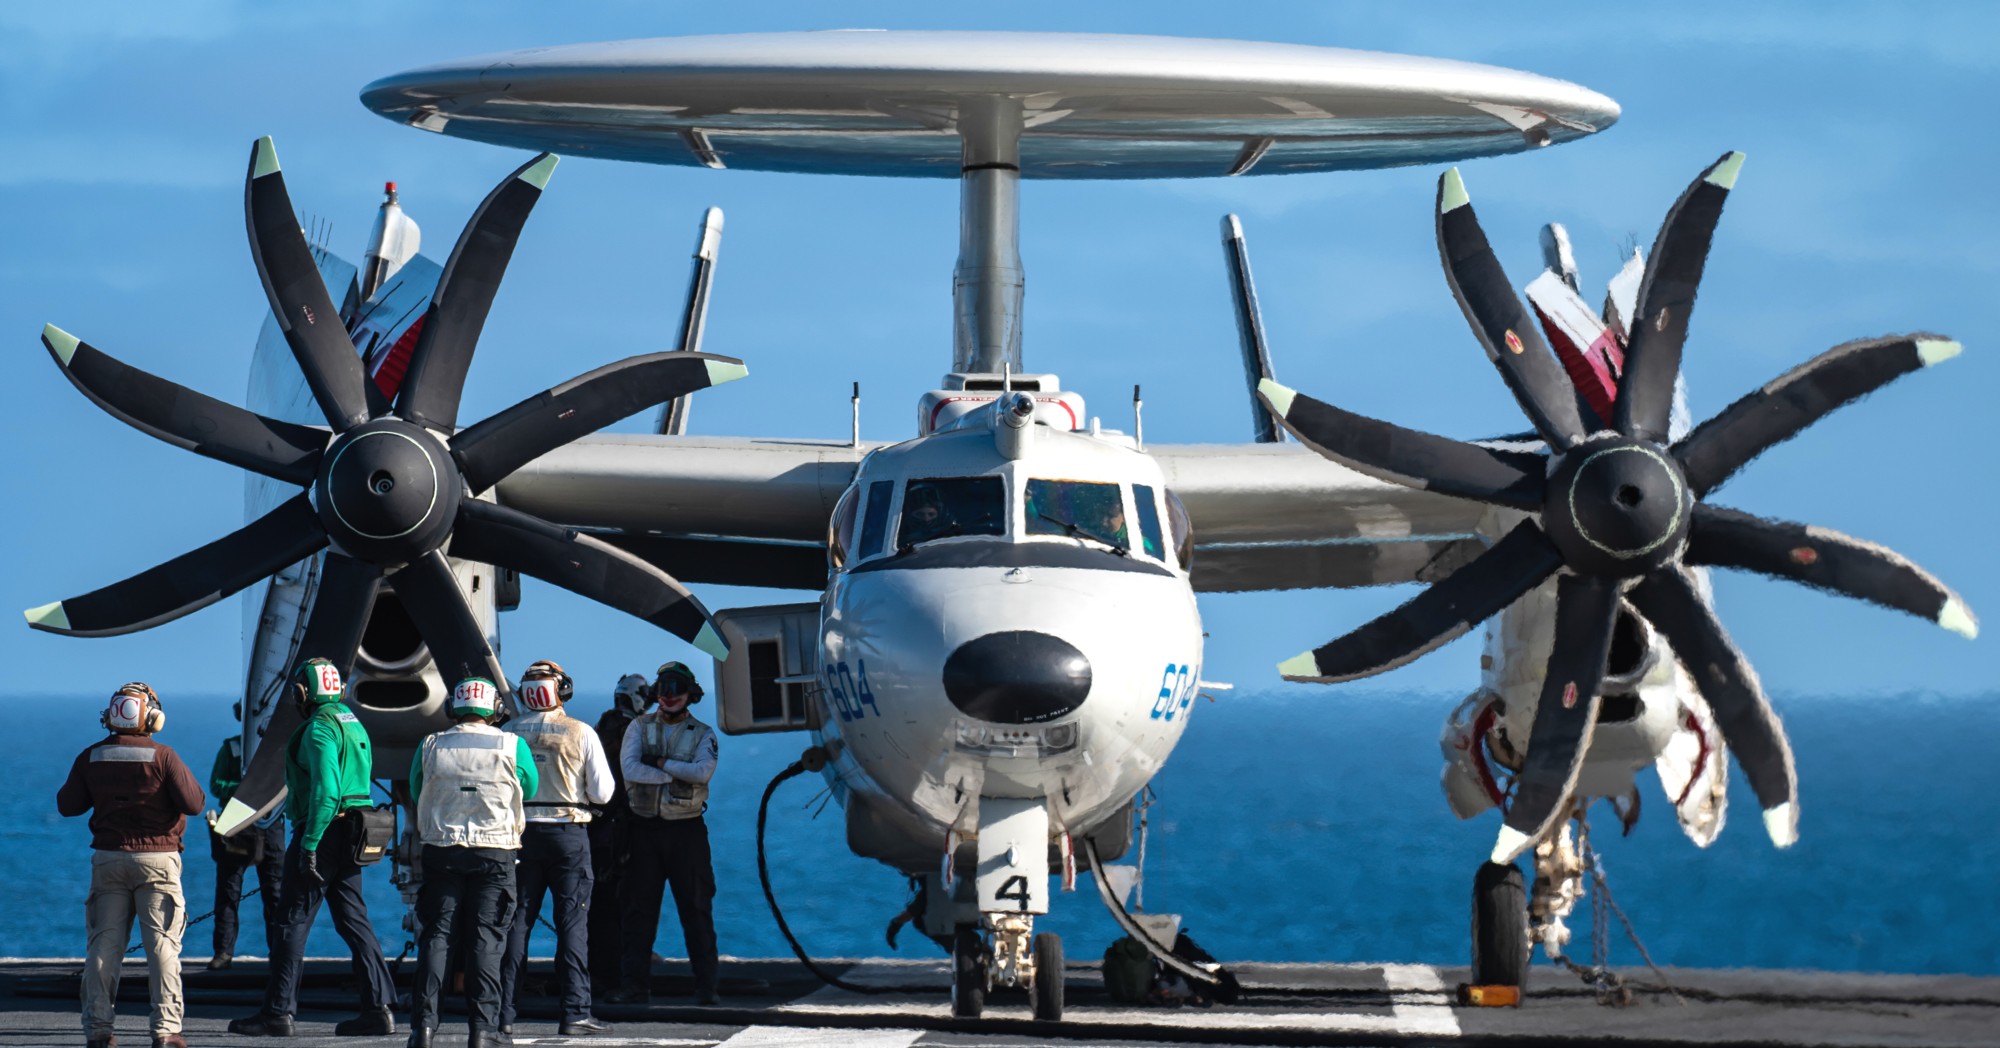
(875, 519)
(1149, 522)
(1078, 509)
(1181, 530)
(840, 530)
(945, 507)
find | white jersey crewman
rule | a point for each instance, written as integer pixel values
(555, 847)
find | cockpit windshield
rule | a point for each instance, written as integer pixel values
(1079, 509)
(944, 507)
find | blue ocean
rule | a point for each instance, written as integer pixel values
(1306, 825)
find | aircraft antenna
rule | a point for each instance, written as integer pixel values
(1138, 419)
(855, 402)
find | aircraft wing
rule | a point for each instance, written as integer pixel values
(1278, 516)
(753, 511)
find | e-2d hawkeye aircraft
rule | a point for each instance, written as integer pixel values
(983, 716)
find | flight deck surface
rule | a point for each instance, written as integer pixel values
(773, 1002)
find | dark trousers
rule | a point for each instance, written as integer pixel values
(555, 858)
(475, 885)
(229, 889)
(608, 849)
(669, 852)
(298, 905)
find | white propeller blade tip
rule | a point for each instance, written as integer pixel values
(720, 371)
(1299, 667)
(267, 158)
(1782, 823)
(1451, 192)
(1281, 397)
(1957, 618)
(710, 642)
(48, 617)
(1511, 844)
(1937, 350)
(62, 342)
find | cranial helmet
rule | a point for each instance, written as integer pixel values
(134, 709)
(545, 686)
(675, 676)
(475, 697)
(632, 694)
(319, 681)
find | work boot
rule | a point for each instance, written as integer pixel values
(169, 1040)
(629, 995)
(705, 995)
(106, 1041)
(371, 1022)
(583, 1027)
(264, 1024)
(420, 1037)
(478, 1038)
(221, 960)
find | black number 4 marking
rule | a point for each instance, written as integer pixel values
(1014, 888)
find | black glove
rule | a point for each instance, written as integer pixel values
(312, 867)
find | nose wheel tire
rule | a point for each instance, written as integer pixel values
(968, 973)
(1499, 927)
(1048, 991)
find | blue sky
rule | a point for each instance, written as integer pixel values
(1863, 210)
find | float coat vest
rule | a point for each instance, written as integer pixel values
(557, 741)
(675, 742)
(471, 794)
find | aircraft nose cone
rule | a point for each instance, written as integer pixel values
(1016, 677)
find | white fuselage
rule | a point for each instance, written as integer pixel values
(1005, 663)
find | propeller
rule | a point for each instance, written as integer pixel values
(1620, 512)
(389, 489)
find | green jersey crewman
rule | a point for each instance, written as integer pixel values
(329, 766)
(262, 846)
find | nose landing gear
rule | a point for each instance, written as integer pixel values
(1018, 958)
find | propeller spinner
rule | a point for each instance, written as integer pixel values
(1621, 513)
(389, 488)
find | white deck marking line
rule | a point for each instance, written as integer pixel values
(1422, 1018)
(623, 1042)
(815, 1036)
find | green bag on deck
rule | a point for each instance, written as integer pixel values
(1128, 971)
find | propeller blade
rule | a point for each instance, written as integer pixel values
(191, 581)
(1444, 610)
(181, 417)
(437, 605)
(436, 379)
(583, 565)
(493, 447)
(1512, 339)
(1409, 457)
(1798, 398)
(305, 312)
(1565, 714)
(1666, 301)
(1821, 557)
(341, 605)
(1668, 600)
(263, 785)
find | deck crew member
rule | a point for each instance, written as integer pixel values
(261, 847)
(328, 767)
(468, 783)
(668, 758)
(139, 795)
(609, 832)
(555, 846)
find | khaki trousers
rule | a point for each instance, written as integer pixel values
(124, 885)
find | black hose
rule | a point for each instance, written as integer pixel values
(798, 767)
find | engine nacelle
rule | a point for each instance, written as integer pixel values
(1650, 712)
